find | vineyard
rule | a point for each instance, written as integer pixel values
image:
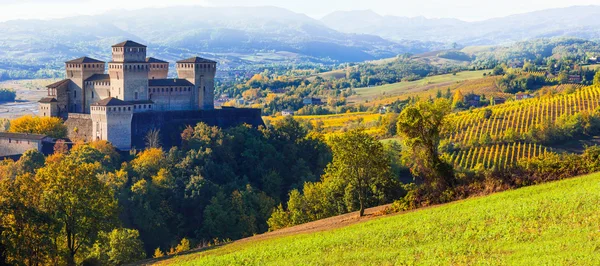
(518, 117)
(500, 156)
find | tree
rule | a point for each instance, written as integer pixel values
(78, 201)
(498, 70)
(118, 247)
(597, 78)
(487, 113)
(153, 139)
(360, 159)
(457, 100)
(420, 125)
(50, 126)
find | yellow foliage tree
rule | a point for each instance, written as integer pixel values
(50, 126)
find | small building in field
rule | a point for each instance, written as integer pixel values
(14, 144)
(287, 113)
(522, 96)
(499, 100)
(312, 101)
(575, 78)
(472, 99)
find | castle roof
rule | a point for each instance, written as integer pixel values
(58, 84)
(169, 82)
(154, 60)
(99, 77)
(110, 101)
(196, 59)
(9, 135)
(47, 100)
(84, 60)
(128, 43)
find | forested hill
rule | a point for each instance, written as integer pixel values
(233, 36)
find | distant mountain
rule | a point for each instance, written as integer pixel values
(235, 36)
(577, 21)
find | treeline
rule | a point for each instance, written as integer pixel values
(220, 185)
(7, 95)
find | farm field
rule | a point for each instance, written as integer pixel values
(29, 92)
(501, 229)
(334, 123)
(402, 88)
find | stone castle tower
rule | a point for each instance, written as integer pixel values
(128, 72)
(200, 72)
(134, 84)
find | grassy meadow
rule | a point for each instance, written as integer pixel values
(551, 224)
(442, 81)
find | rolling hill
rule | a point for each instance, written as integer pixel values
(232, 35)
(554, 223)
(576, 21)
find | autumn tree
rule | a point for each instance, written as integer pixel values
(420, 126)
(50, 126)
(74, 197)
(597, 78)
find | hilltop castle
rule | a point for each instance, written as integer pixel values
(136, 96)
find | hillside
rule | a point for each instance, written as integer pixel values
(235, 36)
(576, 21)
(504, 228)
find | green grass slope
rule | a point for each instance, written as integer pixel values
(551, 224)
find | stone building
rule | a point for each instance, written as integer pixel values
(12, 144)
(98, 100)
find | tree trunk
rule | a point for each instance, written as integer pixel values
(361, 213)
(71, 259)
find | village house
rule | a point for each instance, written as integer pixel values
(522, 96)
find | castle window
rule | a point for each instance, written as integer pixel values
(136, 95)
(92, 95)
(128, 108)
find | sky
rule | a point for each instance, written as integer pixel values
(469, 10)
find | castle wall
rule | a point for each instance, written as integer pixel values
(129, 81)
(79, 127)
(78, 73)
(202, 75)
(15, 146)
(158, 71)
(171, 124)
(112, 123)
(96, 91)
(172, 98)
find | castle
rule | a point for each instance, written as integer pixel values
(136, 96)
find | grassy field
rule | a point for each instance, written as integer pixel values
(440, 81)
(334, 123)
(551, 224)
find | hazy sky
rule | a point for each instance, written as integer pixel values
(463, 9)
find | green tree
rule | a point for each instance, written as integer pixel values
(78, 201)
(420, 125)
(361, 160)
(118, 247)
